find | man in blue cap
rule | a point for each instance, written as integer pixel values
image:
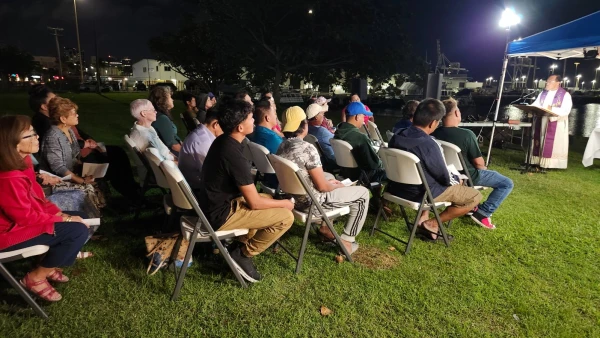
(363, 151)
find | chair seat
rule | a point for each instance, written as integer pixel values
(187, 227)
(168, 204)
(410, 204)
(480, 187)
(23, 253)
(302, 216)
(267, 190)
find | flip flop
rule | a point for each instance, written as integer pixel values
(425, 235)
(84, 255)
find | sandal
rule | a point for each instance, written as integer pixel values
(48, 293)
(57, 276)
(84, 255)
(426, 235)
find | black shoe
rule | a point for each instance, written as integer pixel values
(245, 266)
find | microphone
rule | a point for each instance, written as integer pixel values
(524, 97)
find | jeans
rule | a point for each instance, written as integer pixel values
(502, 186)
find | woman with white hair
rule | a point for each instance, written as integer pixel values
(142, 132)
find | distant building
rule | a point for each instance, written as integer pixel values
(47, 62)
(150, 71)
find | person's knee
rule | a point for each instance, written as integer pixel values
(478, 197)
(508, 183)
(287, 219)
(78, 232)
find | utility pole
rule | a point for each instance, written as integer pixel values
(78, 42)
(55, 31)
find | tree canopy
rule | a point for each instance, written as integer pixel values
(15, 61)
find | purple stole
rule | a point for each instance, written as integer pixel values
(550, 129)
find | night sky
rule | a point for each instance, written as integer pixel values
(468, 29)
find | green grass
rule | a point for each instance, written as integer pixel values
(536, 275)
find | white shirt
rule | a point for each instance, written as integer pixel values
(147, 137)
(563, 110)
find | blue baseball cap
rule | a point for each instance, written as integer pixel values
(356, 108)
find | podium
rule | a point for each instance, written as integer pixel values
(536, 113)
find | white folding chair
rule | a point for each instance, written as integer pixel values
(405, 168)
(259, 156)
(312, 139)
(389, 135)
(195, 229)
(147, 179)
(342, 151)
(155, 159)
(375, 135)
(291, 182)
(248, 156)
(9, 256)
(453, 155)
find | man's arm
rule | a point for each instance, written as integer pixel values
(565, 107)
(365, 155)
(436, 166)
(479, 163)
(257, 202)
(321, 183)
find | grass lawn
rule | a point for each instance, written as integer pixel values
(536, 275)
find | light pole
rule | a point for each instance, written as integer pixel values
(553, 67)
(576, 65)
(582, 82)
(524, 82)
(78, 42)
(536, 83)
(593, 84)
(595, 76)
(567, 82)
(577, 80)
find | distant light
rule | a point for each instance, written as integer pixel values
(125, 79)
(509, 18)
(110, 79)
(310, 11)
(578, 76)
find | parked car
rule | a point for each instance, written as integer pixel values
(92, 86)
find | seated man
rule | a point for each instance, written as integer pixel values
(195, 147)
(316, 114)
(142, 133)
(416, 140)
(265, 118)
(364, 154)
(228, 196)
(190, 115)
(330, 193)
(467, 142)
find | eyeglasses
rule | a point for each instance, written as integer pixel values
(28, 136)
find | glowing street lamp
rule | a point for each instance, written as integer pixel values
(509, 18)
(582, 82)
(553, 67)
(595, 76)
(577, 80)
(593, 84)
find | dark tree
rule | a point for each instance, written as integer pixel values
(15, 61)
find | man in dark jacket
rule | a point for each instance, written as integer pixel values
(416, 140)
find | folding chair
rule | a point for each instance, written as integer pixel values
(155, 159)
(453, 155)
(291, 182)
(404, 167)
(312, 139)
(186, 124)
(375, 135)
(9, 256)
(389, 135)
(344, 158)
(195, 229)
(259, 157)
(248, 156)
(147, 180)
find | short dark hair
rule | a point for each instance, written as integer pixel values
(558, 77)
(428, 110)
(261, 109)
(11, 127)
(187, 97)
(240, 95)
(408, 111)
(232, 114)
(264, 95)
(37, 96)
(300, 130)
(211, 115)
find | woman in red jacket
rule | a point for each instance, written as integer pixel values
(26, 217)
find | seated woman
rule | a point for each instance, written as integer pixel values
(60, 153)
(329, 192)
(27, 218)
(160, 96)
(142, 133)
(408, 111)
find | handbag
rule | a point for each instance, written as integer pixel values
(160, 249)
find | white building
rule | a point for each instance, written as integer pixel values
(150, 71)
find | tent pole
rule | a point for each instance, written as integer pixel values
(498, 100)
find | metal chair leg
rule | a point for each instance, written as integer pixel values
(304, 239)
(184, 266)
(24, 294)
(377, 219)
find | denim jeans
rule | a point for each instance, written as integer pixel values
(502, 186)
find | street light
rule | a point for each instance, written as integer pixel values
(509, 18)
(78, 42)
(593, 84)
(553, 67)
(582, 82)
(524, 83)
(577, 80)
(536, 83)
(595, 76)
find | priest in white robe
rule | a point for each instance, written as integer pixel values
(550, 148)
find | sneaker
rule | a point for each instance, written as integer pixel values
(482, 220)
(245, 266)
(472, 211)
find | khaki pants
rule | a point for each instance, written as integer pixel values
(266, 226)
(460, 196)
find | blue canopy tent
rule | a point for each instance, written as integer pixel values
(569, 40)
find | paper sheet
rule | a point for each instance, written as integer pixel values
(91, 221)
(102, 146)
(97, 170)
(347, 182)
(66, 178)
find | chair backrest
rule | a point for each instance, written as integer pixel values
(140, 161)
(177, 184)
(312, 139)
(154, 159)
(286, 171)
(451, 154)
(374, 133)
(246, 151)
(259, 157)
(400, 166)
(342, 151)
(389, 135)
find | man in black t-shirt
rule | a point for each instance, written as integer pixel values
(228, 196)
